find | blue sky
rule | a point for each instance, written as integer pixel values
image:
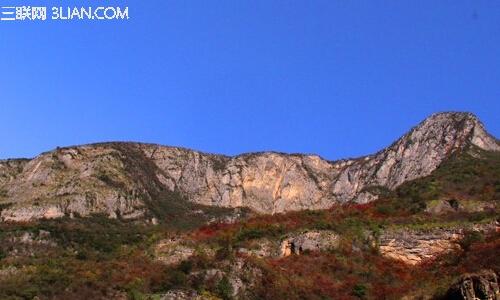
(336, 78)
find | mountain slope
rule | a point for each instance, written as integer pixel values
(128, 180)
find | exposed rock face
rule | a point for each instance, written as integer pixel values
(7, 272)
(9, 169)
(482, 285)
(180, 295)
(444, 206)
(262, 248)
(293, 244)
(240, 275)
(412, 247)
(309, 241)
(82, 180)
(120, 179)
(172, 251)
(27, 244)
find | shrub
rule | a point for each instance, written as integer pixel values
(177, 279)
(359, 291)
(224, 288)
(225, 252)
(385, 209)
(470, 238)
(186, 266)
(82, 255)
(250, 233)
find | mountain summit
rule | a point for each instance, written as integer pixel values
(132, 180)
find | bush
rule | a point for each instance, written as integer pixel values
(250, 233)
(385, 209)
(470, 238)
(82, 255)
(224, 288)
(186, 266)
(177, 279)
(225, 252)
(3, 254)
(359, 291)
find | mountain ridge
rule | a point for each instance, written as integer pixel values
(118, 178)
(469, 114)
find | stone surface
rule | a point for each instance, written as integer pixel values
(413, 247)
(482, 285)
(240, 274)
(443, 206)
(309, 241)
(180, 295)
(173, 251)
(120, 179)
(261, 248)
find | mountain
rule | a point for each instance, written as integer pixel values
(171, 223)
(142, 181)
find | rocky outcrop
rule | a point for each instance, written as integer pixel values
(482, 285)
(180, 295)
(26, 243)
(309, 241)
(240, 276)
(80, 180)
(7, 272)
(413, 246)
(173, 251)
(293, 244)
(443, 206)
(9, 169)
(261, 248)
(126, 179)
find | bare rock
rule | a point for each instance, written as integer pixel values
(414, 246)
(261, 248)
(180, 295)
(7, 272)
(26, 243)
(122, 179)
(309, 241)
(443, 206)
(240, 275)
(477, 286)
(173, 251)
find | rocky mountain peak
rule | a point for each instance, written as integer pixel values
(128, 179)
(455, 129)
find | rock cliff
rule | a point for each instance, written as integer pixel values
(481, 285)
(127, 179)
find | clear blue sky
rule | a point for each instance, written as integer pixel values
(336, 78)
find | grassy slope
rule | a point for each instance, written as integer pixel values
(472, 175)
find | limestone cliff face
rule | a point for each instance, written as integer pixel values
(80, 180)
(121, 178)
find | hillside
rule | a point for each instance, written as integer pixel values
(153, 183)
(425, 239)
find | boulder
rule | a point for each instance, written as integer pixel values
(477, 286)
